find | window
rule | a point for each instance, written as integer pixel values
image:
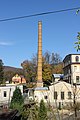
(45, 97)
(69, 95)
(77, 79)
(69, 71)
(62, 95)
(5, 94)
(55, 95)
(75, 68)
(69, 78)
(77, 58)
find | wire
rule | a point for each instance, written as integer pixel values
(38, 14)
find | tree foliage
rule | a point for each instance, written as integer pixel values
(8, 75)
(78, 42)
(17, 99)
(51, 63)
(29, 70)
(52, 59)
(1, 72)
(57, 69)
(30, 113)
(47, 73)
(42, 111)
(10, 72)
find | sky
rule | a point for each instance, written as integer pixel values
(19, 38)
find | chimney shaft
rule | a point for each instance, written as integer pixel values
(39, 69)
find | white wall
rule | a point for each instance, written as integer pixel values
(41, 94)
(60, 87)
(9, 93)
(73, 57)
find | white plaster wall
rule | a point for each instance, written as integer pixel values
(73, 58)
(40, 94)
(9, 93)
(75, 72)
(60, 87)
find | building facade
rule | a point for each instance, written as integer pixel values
(60, 93)
(18, 79)
(71, 68)
(6, 93)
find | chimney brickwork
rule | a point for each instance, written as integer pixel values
(39, 65)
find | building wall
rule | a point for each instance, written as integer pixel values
(41, 94)
(18, 79)
(60, 87)
(73, 57)
(75, 72)
(6, 93)
(72, 68)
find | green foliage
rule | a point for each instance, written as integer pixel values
(29, 70)
(8, 75)
(48, 63)
(42, 111)
(47, 73)
(78, 42)
(77, 11)
(30, 113)
(1, 72)
(17, 99)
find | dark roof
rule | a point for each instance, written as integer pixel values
(68, 56)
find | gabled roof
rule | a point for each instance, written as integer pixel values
(61, 82)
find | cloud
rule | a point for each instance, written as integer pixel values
(5, 43)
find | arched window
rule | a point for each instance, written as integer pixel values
(77, 58)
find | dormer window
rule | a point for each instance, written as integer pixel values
(77, 58)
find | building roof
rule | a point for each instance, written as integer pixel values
(69, 56)
(60, 82)
(41, 88)
(57, 75)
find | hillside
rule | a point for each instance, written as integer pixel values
(9, 68)
(9, 72)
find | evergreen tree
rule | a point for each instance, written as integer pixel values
(42, 111)
(17, 99)
(1, 72)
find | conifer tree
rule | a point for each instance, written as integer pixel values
(17, 99)
(42, 111)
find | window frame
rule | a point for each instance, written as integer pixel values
(5, 94)
(69, 95)
(62, 95)
(77, 58)
(55, 95)
(77, 79)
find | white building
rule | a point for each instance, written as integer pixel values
(63, 92)
(41, 93)
(6, 93)
(60, 93)
(72, 68)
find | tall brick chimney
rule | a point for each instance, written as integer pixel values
(39, 62)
